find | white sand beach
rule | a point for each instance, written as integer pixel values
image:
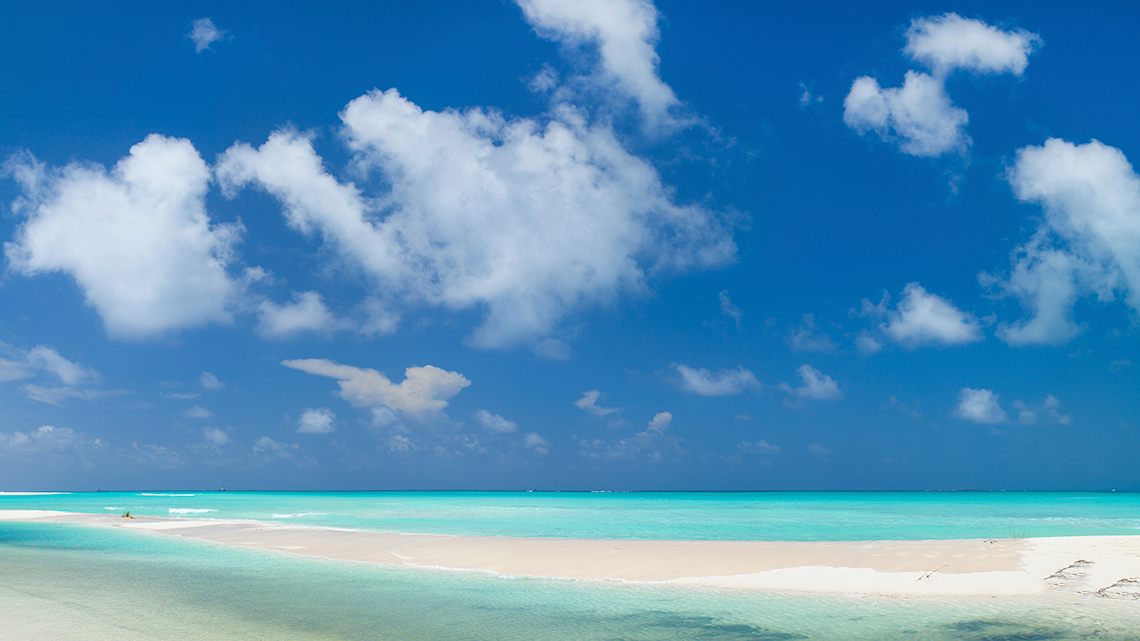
(1097, 566)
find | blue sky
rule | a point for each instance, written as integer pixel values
(569, 245)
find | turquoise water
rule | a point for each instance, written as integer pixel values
(66, 582)
(788, 516)
(79, 582)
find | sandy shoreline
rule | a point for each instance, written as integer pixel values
(1095, 566)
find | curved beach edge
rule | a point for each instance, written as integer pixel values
(1087, 566)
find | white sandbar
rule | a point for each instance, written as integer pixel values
(1096, 566)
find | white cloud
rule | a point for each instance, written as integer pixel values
(661, 422)
(625, 33)
(307, 313)
(270, 448)
(402, 444)
(210, 382)
(545, 80)
(422, 394)
(1053, 407)
(216, 436)
(526, 220)
(137, 239)
(806, 97)
(156, 455)
(730, 310)
(807, 337)
(868, 344)
(56, 395)
(919, 116)
(1088, 242)
(203, 33)
(198, 412)
(821, 452)
(1049, 410)
(980, 406)
(758, 447)
(45, 439)
(724, 383)
(816, 386)
(1120, 364)
(15, 370)
(495, 423)
(42, 358)
(537, 443)
(922, 318)
(46, 358)
(385, 418)
(949, 41)
(653, 443)
(317, 421)
(181, 396)
(589, 402)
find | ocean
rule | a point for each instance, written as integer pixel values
(81, 582)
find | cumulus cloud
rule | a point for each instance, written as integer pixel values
(807, 99)
(816, 386)
(523, 219)
(203, 33)
(807, 337)
(56, 395)
(653, 443)
(758, 447)
(1048, 411)
(307, 313)
(589, 402)
(947, 42)
(919, 116)
(269, 448)
(537, 443)
(495, 423)
(821, 452)
(1088, 243)
(45, 439)
(216, 436)
(980, 406)
(136, 239)
(210, 382)
(28, 364)
(1120, 364)
(730, 310)
(724, 383)
(11, 370)
(47, 359)
(317, 421)
(422, 394)
(661, 422)
(41, 358)
(625, 35)
(198, 412)
(921, 318)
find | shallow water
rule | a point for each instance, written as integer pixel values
(786, 516)
(84, 582)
